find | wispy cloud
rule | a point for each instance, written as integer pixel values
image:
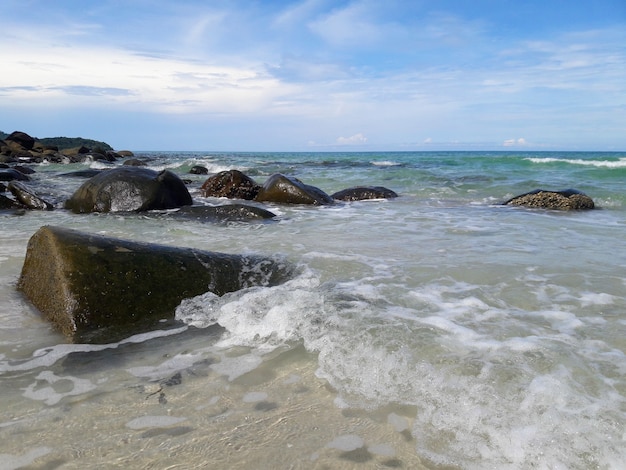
(356, 139)
(398, 72)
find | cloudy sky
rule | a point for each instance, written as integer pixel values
(317, 75)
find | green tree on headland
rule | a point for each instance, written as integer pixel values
(63, 143)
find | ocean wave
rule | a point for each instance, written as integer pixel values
(493, 385)
(620, 163)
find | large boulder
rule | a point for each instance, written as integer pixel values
(359, 193)
(97, 289)
(22, 139)
(568, 199)
(130, 189)
(288, 190)
(231, 184)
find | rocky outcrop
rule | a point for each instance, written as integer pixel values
(569, 199)
(20, 140)
(127, 189)
(287, 190)
(19, 146)
(97, 289)
(231, 184)
(359, 193)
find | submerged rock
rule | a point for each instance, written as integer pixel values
(97, 289)
(287, 190)
(568, 199)
(359, 193)
(226, 212)
(128, 189)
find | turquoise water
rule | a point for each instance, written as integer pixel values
(439, 329)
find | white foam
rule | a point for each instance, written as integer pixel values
(175, 364)
(49, 356)
(346, 443)
(620, 163)
(253, 397)
(13, 462)
(49, 395)
(235, 367)
(154, 422)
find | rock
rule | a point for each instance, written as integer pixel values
(568, 199)
(287, 190)
(28, 198)
(8, 203)
(130, 189)
(22, 138)
(199, 170)
(125, 153)
(11, 174)
(90, 173)
(226, 212)
(231, 184)
(97, 289)
(135, 162)
(359, 193)
(74, 151)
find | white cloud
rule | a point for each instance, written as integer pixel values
(521, 142)
(356, 139)
(155, 83)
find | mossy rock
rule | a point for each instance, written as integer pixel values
(96, 289)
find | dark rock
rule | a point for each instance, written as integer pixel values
(359, 193)
(199, 170)
(24, 169)
(568, 199)
(28, 198)
(74, 151)
(287, 190)
(130, 189)
(22, 138)
(8, 203)
(99, 290)
(226, 212)
(125, 153)
(135, 162)
(12, 175)
(83, 173)
(231, 184)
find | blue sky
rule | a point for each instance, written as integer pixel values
(317, 75)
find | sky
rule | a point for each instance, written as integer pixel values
(317, 75)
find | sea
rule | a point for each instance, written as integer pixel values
(437, 330)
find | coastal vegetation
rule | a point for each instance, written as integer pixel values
(63, 143)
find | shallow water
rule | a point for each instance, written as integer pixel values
(436, 330)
